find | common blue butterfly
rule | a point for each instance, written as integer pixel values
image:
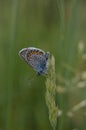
(36, 58)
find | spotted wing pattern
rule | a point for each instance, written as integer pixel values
(36, 58)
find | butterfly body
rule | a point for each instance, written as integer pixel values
(36, 58)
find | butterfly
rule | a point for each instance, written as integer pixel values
(36, 58)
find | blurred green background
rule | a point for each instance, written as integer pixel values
(57, 26)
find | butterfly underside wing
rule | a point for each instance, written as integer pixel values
(36, 58)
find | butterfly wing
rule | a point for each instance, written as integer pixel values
(36, 58)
